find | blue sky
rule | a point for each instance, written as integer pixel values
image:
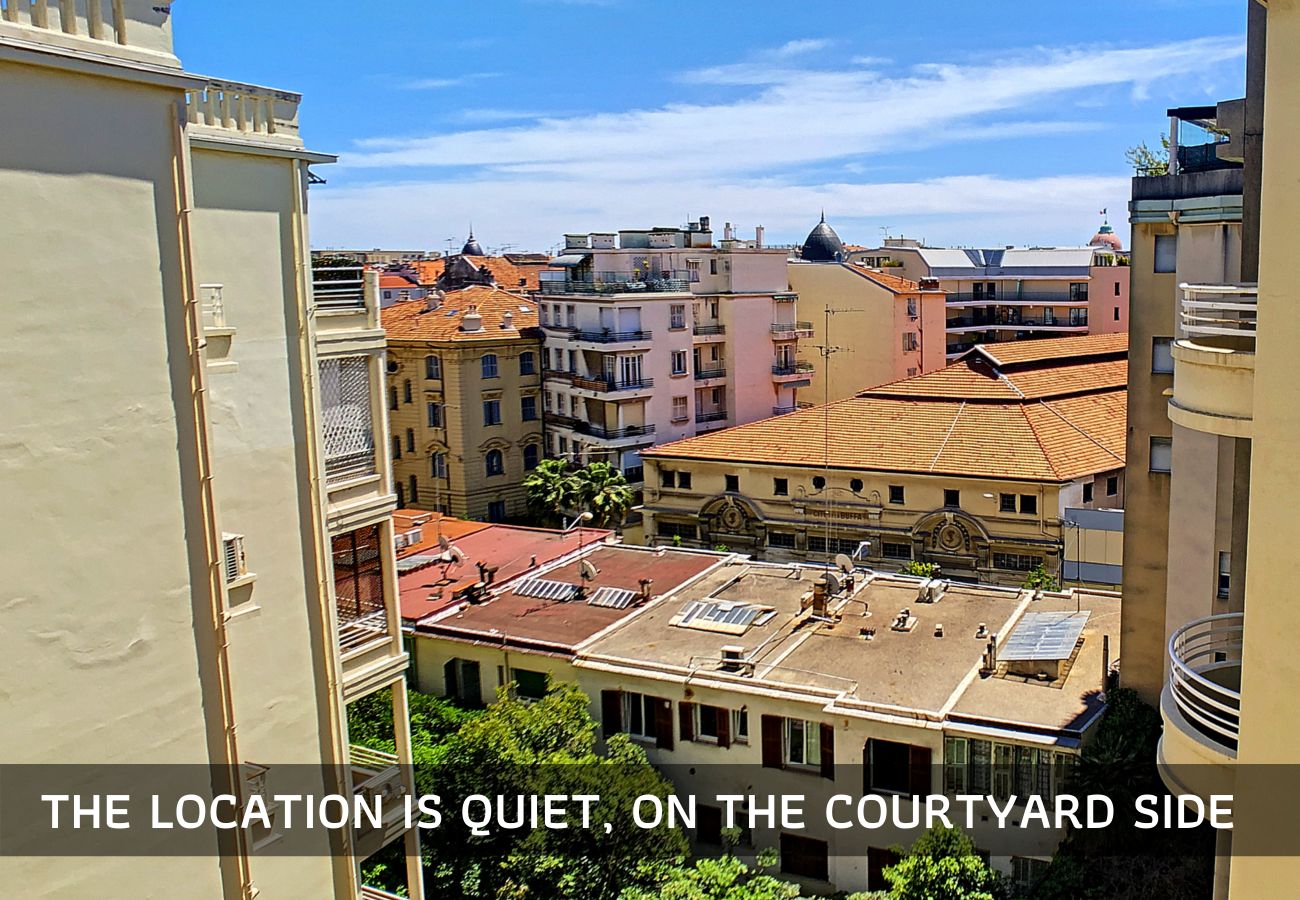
(965, 123)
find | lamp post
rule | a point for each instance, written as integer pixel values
(581, 517)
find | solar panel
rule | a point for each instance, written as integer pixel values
(546, 590)
(411, 563)
(1044, 636)
(614, 598)
(731, 616)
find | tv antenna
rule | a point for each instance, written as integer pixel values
(826, 350)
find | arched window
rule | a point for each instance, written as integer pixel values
(406, 391)
(489, 365)
(414, 489)
(531, 454)
(432, 368)
(496, 464)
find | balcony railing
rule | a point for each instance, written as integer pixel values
(618, 283)
(717, 415)
(782, 328)
(706, 374)
(785, 298)
(1050, 298)
(245, 109)
(610, 384)
(611, 337)
(792, 368)
(612, 434)
(214, 312)
(1018, 322)
(789, 408)
(1205, 676)
(560, 420)
(339, 287)
(1227, 310)
(710, 329)
(133, 23)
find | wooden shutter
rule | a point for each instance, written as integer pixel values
(772, 756)
(828, 751)
(449, 677)
(866, 770)
(470, 688)
(611, 712)
(686, 720)
(724, 727)
(663, 723)
(918, 763)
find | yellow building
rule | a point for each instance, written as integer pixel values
(1212, 624)
(976, 467)
(205, 572)
(464, 396)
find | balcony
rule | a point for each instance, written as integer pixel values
(710, 374)
(785, 298)
(1214, 360)
(704, 330)
(1017, 323)
(559, 375)
(618, 283)
(1201, 705)
(339, 287)
(229, 110)
(369, 640)
(789, 408)
(560, 420)
(716, 418)
(346, 300)
(610, 337)
(138, 30)
(1022, 298)
(792, 372)
(788, 331)
(376, 774)
(610, 385)
(626, 433)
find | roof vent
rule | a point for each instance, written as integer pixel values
(904, 621)
(733, 658)
(938, 629)
(982, 632)
(507, 320)
(471, 321)
(930, 591)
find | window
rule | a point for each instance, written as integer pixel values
(1079, 292)
(1029, 504)
(573, 361)
(679, 362)
(818, 544)
(676, 529)
(715, 396)
(818, 482)
(1078, 317)
(1162, 454)
(709, 720)
(782, 540)
(346, 418)
(911, 307)
(740, 723)
(232, 560)
(1026, 871)
(495, 462)
(1166, 253)
(1225, 574)
(684, 480)
(951, 497)
(1112, 485)
(732, 483)
(528, 408)
(406, 391)
(1087, 492)
(639, 715)
(462, 681)
(438, 465)
(890, 550)
(489, 364)
(679, 409)
(570, 315)
(1006, 503)
(805, 857)
(895, 493)
(392, 398)
(713, 267)
(677, 315)
(667, 478)
(401, 495)
(693, 270)
(496, 511)
(531, 455)
(855, 485)
(892, 767)
(413, 485)
(434, 411)
(491, 412)
(397, 447)
(433, 368)
(803, 746)
(1015, 562)
(559, 360)
(909, 341)
(410, 440)
(1162, 355)
(529, 684)
(971, 765)
(527, 363)
(781, 487)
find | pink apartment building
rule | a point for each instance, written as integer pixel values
(659, 334)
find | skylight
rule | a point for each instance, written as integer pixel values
(727, 616)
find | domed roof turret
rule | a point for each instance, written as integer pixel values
(471, 247)
(1106, 237)
(823, 244)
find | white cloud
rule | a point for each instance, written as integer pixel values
(430, 84)
(801, 47)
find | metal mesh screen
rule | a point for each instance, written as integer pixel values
(345, 418)
(359, 586)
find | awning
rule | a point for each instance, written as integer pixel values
(569, 260)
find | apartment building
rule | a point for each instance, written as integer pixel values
(464, 386)
(1213, 633)
(232, 587)
(654, 335)
(749, 678)
(982, 468)
(883, 327)
(1017, 293)
(512, 271)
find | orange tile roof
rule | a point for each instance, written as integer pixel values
(511, 275)
(393, 281)
(1042, 349)
(1052, 418)
(890, 282)
(414, 321)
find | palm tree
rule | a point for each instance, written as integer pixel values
(602, 489)
(552, 490)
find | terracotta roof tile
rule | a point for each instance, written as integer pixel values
(413, 321)
(1012, 352)
(511, 275)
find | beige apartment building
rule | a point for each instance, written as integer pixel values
(1213, 630)
(986, 468)
(655, 335)
(214, 456)
(748, 678)
(464, 396)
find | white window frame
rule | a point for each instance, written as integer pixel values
(644, 706)
(803, 744)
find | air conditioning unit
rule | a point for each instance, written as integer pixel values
(232, 557)
(733, 659)
(414, 536)
(399, 541)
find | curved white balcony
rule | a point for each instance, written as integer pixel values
(1214, 360)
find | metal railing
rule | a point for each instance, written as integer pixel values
(706, 374)
(1219, 309)
(1200, 650)
(1052, 298)
(618, 283)
(612, 434)
(374, 893)
(610, 384)
(710, 329)
(560, 420)
(1018, 322)
(715, 416)
(792, 368)
(789, 408)
(339, 287)
(790, 327)
(610, 337)
(785, 298)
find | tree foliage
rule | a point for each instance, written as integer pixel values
(1039, 579)
(555, 489)
(943, 865)
(1147, 162)
(551, 490)
(722, 878)
(918, 568)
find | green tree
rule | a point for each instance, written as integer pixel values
(922, 569)
(1147, 162)
(603, 491)
(551, 490)
(943, 865)
(1039, 579)
(723, 878)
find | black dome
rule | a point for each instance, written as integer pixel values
(823, 244)
(471, 247)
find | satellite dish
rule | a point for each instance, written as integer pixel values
(588, 570)
(453, 555)
(843, 563)
(834, 584)
(444, 543)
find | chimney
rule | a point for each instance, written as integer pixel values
(433, 299)
(507, 320)
(758, 237)
(704, 223)
(472, 321)
(728, 233)
(645, 587)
